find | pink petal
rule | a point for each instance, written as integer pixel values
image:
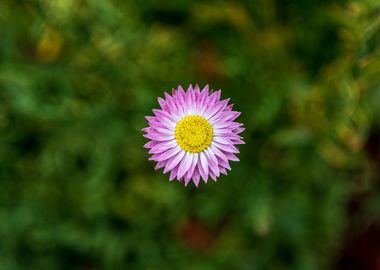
(204, 162)
(169, 153)
(232, 157)
(239, 130)
(237, 141)
(173, 174)
(224, 164)
(223, 171)
(160, 165)
(150, 144)
(159, 136)
(162, 146)
(165, 131)
(193, 165)
(151, 119)
(214, 97)
(215, 108)
(226, 147)
(230, 125)
(222, 140)
(202, 172)
(197, 90)
(162, 102)
(164, 116)
(185, 164)
(219, 153)
(213, 161)
(156, 125)
(213, 176)
(196, 178)
(229, 107)
(173, 161)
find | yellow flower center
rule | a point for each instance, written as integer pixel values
(193, 133)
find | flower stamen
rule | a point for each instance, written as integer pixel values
(193, 133)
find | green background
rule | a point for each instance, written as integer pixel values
(77, 78)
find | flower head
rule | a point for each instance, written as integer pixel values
(193, 135)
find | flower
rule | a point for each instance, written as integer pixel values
(193, 135)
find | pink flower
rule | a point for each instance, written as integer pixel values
(193, 135)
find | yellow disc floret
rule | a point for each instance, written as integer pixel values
(193, 133)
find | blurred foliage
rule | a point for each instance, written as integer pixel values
(77, 78)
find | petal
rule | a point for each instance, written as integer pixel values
(213, 176)
(204, 164)
(159, 136)
(173, 174)
(160, 165)
(224, 164)
(187, 180)
(224, 117)
(173, 161)
(185, 165)
(156, 125)
(213, 98)
(218, 106)
(239, 130)
(222, 131)
(221, 139)
(197, 91)
(213, 161)
(226, 147)
(230, 125)
(151, 118)
(165, 131)
(202, 172)
(202, 98)
(237, 141)
(147, 129)
(232, 157)
(162, 146)
(150, 144)
(196, 178)
(229, 107)
(162, 102)
(165, 117)
(218, 153)
(193, 165)
(223, 171)
(169, 153)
